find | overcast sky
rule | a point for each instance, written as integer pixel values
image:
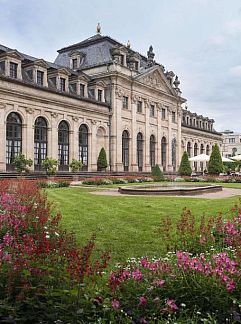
(200, 40)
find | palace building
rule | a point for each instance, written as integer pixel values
(98, 93)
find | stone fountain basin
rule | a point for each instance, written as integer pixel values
(170, 189)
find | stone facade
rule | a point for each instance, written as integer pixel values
(98, 93)
(231, 143)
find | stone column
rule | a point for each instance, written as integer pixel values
(119, 164)
(133, 135)
(53, 138)
(93, 151)
(3, 137)
(179, 136)
(146, 149)
(28, 136)
(159, 137)
(169, 142)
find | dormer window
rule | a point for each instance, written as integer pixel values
(122, 60)
(100, 95)
(62, 84)
(74, 63)
(82, 90)
(40, 78)
(136, 66)
(13, 72)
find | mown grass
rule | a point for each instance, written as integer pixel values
(128, 226)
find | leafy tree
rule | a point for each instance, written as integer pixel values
(22, 164)
(215, 164)
(157, 173)
(185, 167)
(102, 160)
(50, 166)
(76, 165)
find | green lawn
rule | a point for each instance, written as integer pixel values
(126, 225)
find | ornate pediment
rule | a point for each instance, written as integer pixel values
(156, 79)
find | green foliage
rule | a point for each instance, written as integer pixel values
(102, 160)
(157, 173)
(22, 164)
(185, 167)
(76, 165)
(215, 164)
(53, 184)
(50, 166)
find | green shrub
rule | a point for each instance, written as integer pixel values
(50, 166)
(102, 160)
(215, 164)
(157, 173)
(185, 167)
(22, 164)
(76, 165)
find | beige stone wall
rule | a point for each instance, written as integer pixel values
(31, 103)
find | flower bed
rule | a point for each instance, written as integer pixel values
(98, 181)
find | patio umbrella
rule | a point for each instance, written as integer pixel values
(200, 158)
(236, 157)
(224, 159)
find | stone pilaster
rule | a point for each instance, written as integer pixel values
(3, 137)
(93, 145)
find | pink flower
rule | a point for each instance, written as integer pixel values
(7, 239)
(171, 305)
(115, 304)
(143, 301)
(137, 275)
(159, 282)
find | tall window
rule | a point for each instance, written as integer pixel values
(83, 146)
(74, 63)
(40, 77)
(63, 146)
(189, 148)
(125, 102)
(202, 149)
(82, 90)
(13, 138)
(163, 113)
(139, 106)
(62, 84)
(13, 70)
(173, 116)
(40, 142)
(125, 150)
(195, 154)
(174, 153)
(152, 151)
(208, 150)
(99, 95)
(152, 110)
(164, 153)
(140, 151)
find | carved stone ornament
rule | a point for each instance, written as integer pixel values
(29, 110)
(154, 81)
(119, 93)
(2, 105)
(93, 122)
(75, 118)
(54, 114)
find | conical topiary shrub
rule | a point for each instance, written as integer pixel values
(215, 164)
(102, 160)
(157, 173)
(185, 167)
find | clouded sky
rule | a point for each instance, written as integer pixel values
(200, 40)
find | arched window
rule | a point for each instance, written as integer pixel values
(63, 146)
(195, 149)
(189, 149)
(174, 154)
(83, 146)
(152, 151)
(195, 154)
(140, 151)
(164, 153)
(202, 149)
(40, 142)
(208, 150)
(125, 150)
(13, 139)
